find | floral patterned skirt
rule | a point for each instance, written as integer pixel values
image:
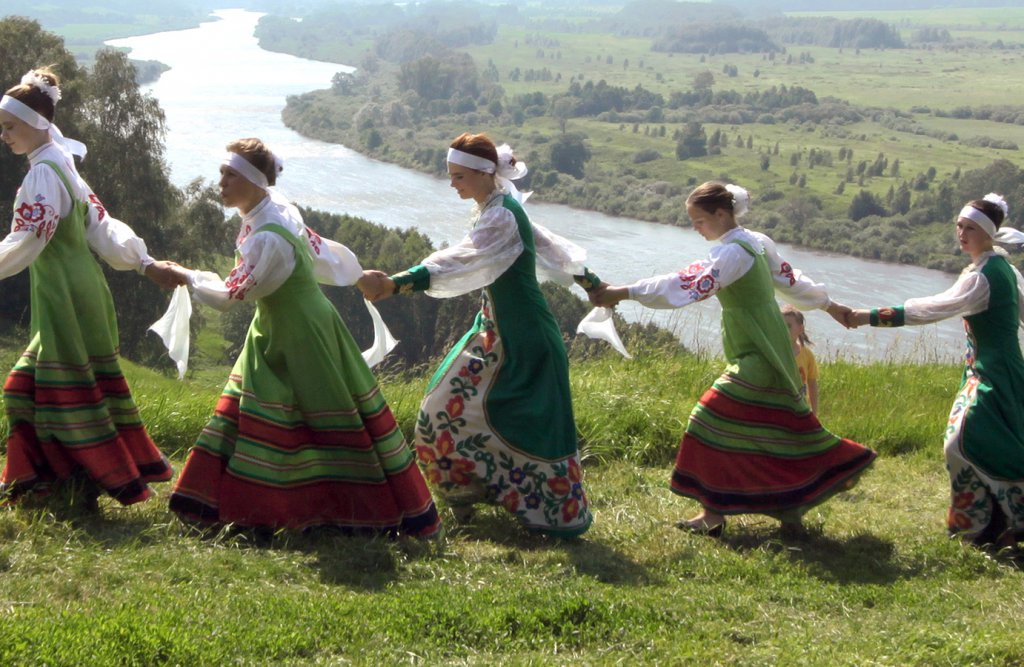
(982, 505)
(467, 459)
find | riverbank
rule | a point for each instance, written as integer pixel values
(86, 30)
(606, 124)
(875, 580)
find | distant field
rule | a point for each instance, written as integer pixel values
(905, 80)
(897, 78)
(1008, 19)
(900, 79)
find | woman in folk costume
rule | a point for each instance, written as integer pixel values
(302, 436)
(70, 411)
(497, 424)
(752, 444)
(984, 439)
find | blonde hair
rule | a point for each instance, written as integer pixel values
(792, 311)
(258, 155)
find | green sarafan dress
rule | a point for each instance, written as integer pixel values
(752, 443)
(302, 436)
(496, 424)
(984, 437)
(67, 402)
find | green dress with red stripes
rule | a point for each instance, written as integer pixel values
(68, 405)
(302, 436)
(752, 443)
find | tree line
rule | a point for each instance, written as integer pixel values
(124, 130)
(387, 118)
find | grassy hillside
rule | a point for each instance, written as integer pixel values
(874, 582)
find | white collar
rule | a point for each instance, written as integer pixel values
(36, 156)
(256, 211)
(728, 236)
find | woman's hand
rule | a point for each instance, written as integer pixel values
(859, 317)
(167, 275)
(608, 296)
(376, 285)
(840, 313)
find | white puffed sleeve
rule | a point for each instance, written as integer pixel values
(492, 246)
(558, 258)
(333, 263)
(702, 279)
(968, 296)
(266, 260)
(792, 284)
(37, 212)
(113, 240)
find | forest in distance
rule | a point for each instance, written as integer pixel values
(859, 132)
(104, 106)
(871, 146)
(611, 111)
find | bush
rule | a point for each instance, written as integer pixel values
(646, 155)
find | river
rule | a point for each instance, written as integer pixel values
(222, 86)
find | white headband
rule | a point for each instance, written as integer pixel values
(455, 156)
(246, 170)
(980, 218)
(36, 120)
(1005, 235)
(24, 112)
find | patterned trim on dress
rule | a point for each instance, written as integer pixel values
(887, 317)
(543, 495)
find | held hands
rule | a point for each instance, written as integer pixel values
(167, 275)
(840, 313)
(859, 317)
(608, 296)
(848, 317)
(376, 285)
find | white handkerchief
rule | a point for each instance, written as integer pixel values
(383, 341)
(173, 328)
(599, 324)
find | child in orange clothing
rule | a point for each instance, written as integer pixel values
(804, 357)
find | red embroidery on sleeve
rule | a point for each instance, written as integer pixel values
(698, 281)
(237, 280)
(314, 240)
(38, 218)
(100, 210)
(786, 271)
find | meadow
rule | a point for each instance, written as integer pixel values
(895, 127)
(906, 80)
(875, 581)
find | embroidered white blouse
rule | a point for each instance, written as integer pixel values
(726, 263)
(492, 246)
(41, 203)
(967, 296)
(266, 259)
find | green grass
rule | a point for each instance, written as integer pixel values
(875, 581)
